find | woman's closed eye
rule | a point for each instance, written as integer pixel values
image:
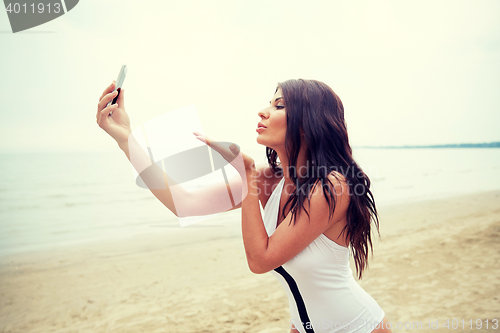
(279, 107)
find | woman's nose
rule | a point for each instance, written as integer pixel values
(263, 113)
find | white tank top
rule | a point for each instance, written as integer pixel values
(322, 292)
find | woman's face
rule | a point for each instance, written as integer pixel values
(273, 118)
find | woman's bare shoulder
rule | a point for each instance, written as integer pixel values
(266, 181)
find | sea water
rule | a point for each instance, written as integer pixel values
(49, 199)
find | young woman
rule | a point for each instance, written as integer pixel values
(316, 199)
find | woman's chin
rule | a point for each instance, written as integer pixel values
(262, 143)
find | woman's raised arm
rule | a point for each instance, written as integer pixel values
(176, 198)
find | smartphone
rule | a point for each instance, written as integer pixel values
(119, 84)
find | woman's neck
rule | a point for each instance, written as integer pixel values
(302, 167)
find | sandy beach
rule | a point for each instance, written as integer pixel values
(436, 260)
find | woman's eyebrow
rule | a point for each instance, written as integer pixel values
(276, 99)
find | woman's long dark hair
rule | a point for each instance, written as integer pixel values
(315, 110)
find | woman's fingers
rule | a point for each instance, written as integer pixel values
(102, 118)
(106, 99)
(103, 102)
(108, 89)
(202, 138)
(226, 149)
(229, 151)
(121, 101)
(234, 148)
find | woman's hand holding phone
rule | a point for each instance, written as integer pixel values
(116, 124)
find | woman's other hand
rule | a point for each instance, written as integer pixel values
(117, 125)
(229, 151)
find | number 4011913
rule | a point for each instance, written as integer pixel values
(39, 8)
(454, 324)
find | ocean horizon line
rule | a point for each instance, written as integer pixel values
(495, 144)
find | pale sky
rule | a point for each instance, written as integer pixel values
(408, 72)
